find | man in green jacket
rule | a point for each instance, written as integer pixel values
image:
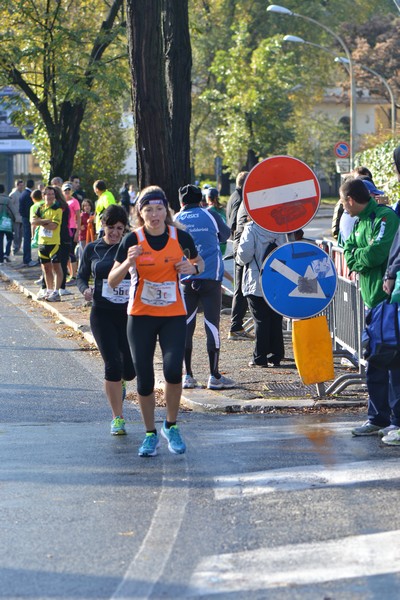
(366, 252)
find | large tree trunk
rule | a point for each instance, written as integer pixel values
(178, 69)
(64, 144)
(152, 124)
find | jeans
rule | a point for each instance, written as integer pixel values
(26, 247)
(9, 238)
(383, 396)
(17, 237)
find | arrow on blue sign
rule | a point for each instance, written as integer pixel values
(298, 280)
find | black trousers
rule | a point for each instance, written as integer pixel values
(268, 331)
(239, 302)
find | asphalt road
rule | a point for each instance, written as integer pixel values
(260, 506)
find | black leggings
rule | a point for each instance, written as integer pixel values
(142, 335)
(109, 331)
(208, 292)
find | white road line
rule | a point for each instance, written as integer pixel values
(148, 565)
(299, 564)
(282, 194)
(303, 478)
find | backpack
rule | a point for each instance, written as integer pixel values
(381, 336)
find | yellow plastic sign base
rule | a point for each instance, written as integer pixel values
(313, 353)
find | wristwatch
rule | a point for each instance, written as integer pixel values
(197, 269)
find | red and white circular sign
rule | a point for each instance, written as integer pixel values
(281, 194)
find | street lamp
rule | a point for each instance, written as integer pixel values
(281, 10)
(344, 61)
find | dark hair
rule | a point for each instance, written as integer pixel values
(58, 195)
(74, 177)
(36, 195)
(89, 201)
(114, 214)
(241, 178)
(355, 189)
(30, 183)
(2, 188)
(363, 171)
(100, 185)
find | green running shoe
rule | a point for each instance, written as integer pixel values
(118, 426)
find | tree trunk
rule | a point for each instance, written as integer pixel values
(64, 143)
(251, 159)
(153, 139)
(178, 70)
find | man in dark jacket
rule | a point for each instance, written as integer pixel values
(239, 302)
(25, 203)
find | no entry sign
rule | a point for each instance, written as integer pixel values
(281, 194)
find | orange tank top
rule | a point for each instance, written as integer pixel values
(155, 289)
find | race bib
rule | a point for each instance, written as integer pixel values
(46, 233)
(158, 294)
(117, 295)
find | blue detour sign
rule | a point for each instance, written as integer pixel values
(298, 280)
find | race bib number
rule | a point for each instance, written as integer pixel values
(46, 233)
(117, 295)
(158, 294)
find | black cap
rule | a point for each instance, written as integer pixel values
(190, 194)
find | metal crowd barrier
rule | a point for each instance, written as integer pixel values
(346, 319)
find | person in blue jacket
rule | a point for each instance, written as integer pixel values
(208, 231)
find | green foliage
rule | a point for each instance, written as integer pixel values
(315, 138)
(379, 160)
(53, 52)
(103, 147)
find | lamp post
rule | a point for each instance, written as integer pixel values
(341, 59)
(285, 11)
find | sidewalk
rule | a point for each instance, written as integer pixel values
(258, 390)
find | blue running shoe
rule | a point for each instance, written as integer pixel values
(150, 444)
(118, 426)
(123, 382)
(176, 445)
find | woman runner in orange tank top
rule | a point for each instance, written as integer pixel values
(156, 254)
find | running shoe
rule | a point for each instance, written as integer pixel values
(188, 382)
(176, 445)
(387, 430)
(42, 294)
(71, 281)
(53, 297)
(149, 446)
(123, 382)
(240, 335)
(118, 426)
(392, 438)
(366, 429)
(221, 383)
(7, 259)
(65, 292)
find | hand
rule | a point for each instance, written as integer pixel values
(185, 267)
(388, 286)
(133, 253)
(88, 294)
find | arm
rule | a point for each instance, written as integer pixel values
(78, 224)
(246, 249)
(361, 260)
(84, 273)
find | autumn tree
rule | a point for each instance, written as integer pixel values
(53, 53)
